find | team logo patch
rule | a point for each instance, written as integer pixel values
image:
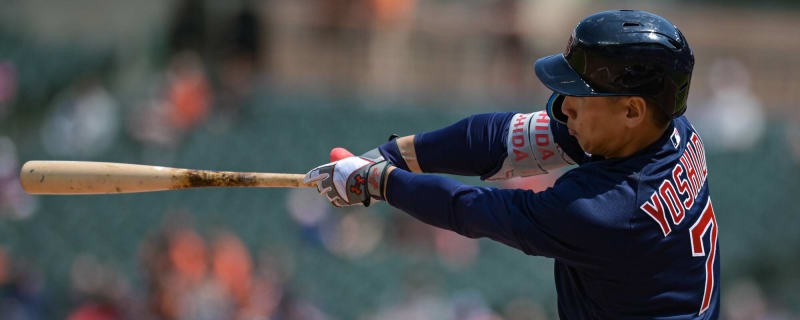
(569, 44)
(675, 138)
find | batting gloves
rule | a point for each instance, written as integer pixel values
(351, 181)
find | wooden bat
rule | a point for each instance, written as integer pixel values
(87, 177)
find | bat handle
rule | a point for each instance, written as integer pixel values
(282, 180)
(191, 178)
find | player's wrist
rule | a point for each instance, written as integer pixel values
(401, 153)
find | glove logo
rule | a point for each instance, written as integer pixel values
(356, 187)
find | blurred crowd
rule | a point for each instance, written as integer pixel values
(185, 276)
(213, 58)
(189, 274)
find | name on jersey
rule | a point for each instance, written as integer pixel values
(677, 194)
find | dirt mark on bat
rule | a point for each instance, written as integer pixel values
(203, 178)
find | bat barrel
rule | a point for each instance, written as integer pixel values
(82, 177)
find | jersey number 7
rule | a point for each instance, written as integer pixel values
(696, 232)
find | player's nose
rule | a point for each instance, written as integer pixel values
(568, 108)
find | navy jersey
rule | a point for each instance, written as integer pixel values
(632, 238)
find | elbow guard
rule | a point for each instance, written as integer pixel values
(531, 149)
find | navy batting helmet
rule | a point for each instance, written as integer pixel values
(621, 53)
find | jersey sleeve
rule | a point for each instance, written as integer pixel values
(474, 146)
(565, 222)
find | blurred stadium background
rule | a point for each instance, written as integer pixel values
(273, 85)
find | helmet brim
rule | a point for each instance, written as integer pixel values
(557, 75)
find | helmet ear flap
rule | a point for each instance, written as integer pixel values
(554, 108)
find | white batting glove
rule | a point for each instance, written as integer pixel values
(350, 181)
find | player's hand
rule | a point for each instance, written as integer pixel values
(350, 181)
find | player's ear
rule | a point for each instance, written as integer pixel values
(636, 111)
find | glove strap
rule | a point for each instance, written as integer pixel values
(373, 155)
(376, 180)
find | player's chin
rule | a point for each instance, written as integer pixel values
(587, 146)
(584, 145)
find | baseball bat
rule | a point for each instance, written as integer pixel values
(87, 177)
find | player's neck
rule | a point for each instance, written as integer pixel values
(636, 140)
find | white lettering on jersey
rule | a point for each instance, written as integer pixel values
(677, 194)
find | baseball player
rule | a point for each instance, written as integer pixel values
(631, 228)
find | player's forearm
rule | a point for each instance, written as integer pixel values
(445, 203)
(473, 146)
